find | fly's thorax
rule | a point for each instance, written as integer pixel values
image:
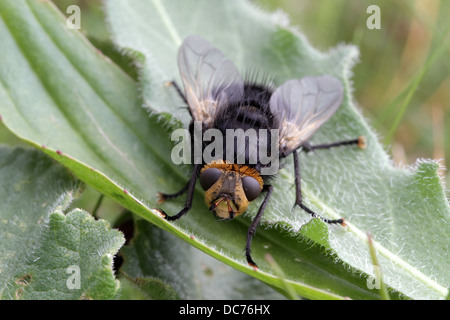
(229, 188)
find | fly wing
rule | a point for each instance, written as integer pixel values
(210, 80)
(301, 106)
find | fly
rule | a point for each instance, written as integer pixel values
(218, 98)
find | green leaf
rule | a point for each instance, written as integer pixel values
(163, 268)
(45, 254)
(85, 112)
(361, 185)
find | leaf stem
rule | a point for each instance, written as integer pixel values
(167, 22)
(97, 205)
(378, 274)
(288, 289)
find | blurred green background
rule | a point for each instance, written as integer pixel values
(401, 84)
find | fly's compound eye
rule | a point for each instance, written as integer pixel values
(209, 177)
(252, 188)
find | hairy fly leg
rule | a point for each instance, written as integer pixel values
(178, 89)
(254, 225)
(298, 194)
(190, 195)
(180, 93)
(169, 196)
(360, 141)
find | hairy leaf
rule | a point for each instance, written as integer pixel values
(45, 253)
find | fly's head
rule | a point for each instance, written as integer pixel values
(229, 189)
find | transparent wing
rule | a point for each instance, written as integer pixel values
(210, 80)
(301, 106)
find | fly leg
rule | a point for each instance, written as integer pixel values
(254, 225)
(169, 196)
(298, 194)
(190, 187)
(360, 141)
(180, 93)
(177, 88)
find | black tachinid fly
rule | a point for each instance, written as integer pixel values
(219, 99)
